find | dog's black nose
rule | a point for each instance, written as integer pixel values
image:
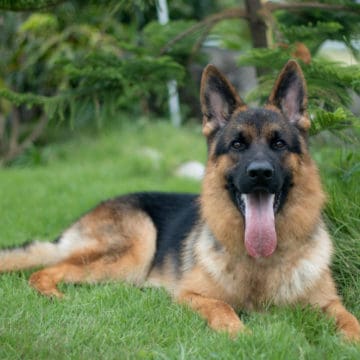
(260, 171)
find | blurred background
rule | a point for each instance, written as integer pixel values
(67, 66)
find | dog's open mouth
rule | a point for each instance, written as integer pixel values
(259, 210)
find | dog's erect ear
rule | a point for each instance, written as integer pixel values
(218, 99)
(289, 95)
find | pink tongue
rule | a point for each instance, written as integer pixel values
(260, 235)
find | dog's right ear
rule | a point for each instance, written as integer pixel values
(219, 100)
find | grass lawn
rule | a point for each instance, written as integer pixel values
(116, 321)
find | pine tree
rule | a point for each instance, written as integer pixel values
(79, 64)
(89, 66)
(296, 29)
(299, 34)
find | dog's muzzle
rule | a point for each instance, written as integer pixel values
(257, 194)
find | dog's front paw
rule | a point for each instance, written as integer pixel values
(219, 315)
(346, 323)
(224, 319)
(233, 326)
(349, 327)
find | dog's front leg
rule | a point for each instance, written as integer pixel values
(324, 295)
(219, 315)
(346, 323)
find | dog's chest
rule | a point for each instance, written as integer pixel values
(251, 283)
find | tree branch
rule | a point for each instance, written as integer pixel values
(271, 6)
(198, 43)
(264, 11)
(27, 5)
(2, 131)
(33, 136)
(15, 127)
(210, 21)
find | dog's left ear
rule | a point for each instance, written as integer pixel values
(289, 95)
(219, 100)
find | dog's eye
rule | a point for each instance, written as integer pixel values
(238, 145)
(278, 144)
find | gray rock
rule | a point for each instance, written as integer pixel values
(192, 170)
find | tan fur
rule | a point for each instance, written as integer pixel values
(220, 315)
(35, 254)
(345, 322)
(216, 275)
(122, 249)
(215, 200)
(302, 52)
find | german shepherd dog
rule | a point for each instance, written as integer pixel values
(253, 237)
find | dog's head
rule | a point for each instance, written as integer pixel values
(258, 150)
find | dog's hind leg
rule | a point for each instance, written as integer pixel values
(129, 264)
(120, 248)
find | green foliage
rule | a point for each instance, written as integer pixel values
(20, 99)
(100, 82)
(23, 5)
(332, 24)
(232, 35)
(84, 62)
(156, 36)
(71, 66)
(333, 121)
(111, 81)
(329, 86)
(311, 34)
(329, 83)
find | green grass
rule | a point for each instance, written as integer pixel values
(116, 321)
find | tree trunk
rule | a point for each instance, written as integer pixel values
(257, 26)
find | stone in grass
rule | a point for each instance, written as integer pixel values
(191, 169)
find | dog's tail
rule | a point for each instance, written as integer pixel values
(31, 254)
(42, 253)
